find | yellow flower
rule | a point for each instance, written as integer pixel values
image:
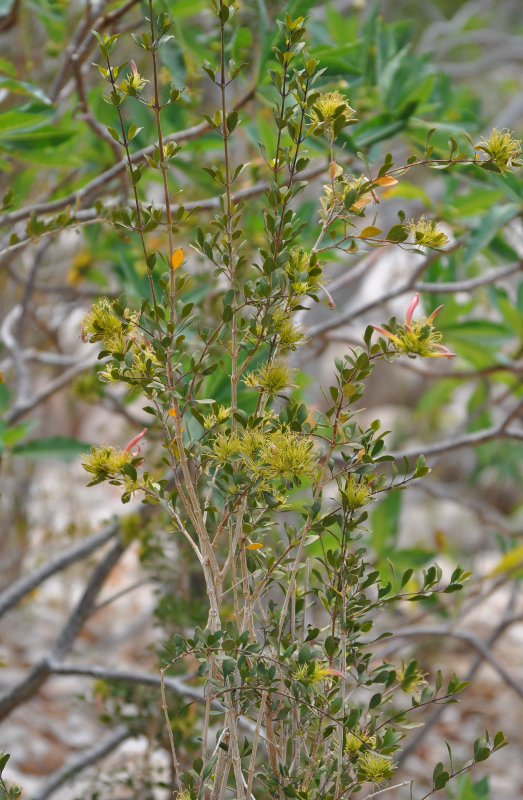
(314, 672)
(417, 338)
(502, 149)
(411, 678)
(356, 492)
(134, 82)
(426, 233)
(356, 741)
(374, 768)
(271, 378)
(331, 112)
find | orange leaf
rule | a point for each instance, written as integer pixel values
(254, 546)
(386, 180)
(177, 258)
(362, 202)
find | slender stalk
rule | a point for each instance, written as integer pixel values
(176, 763)
(125, 145)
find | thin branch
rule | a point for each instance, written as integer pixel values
(91, 756)
(21, 407)
(471, 283)
(39, 673)
(412, 284)
(458, 442)
(470, 638)
(100, 181)
(26, 584)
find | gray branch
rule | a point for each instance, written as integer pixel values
(175, 684)
(76, 765)
(39, 673)
(22, 587)
(413, 285)
(470, 638)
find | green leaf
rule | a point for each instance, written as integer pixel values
(22, 87)
(60, 447)
(487, 228)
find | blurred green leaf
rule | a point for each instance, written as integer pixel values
(64, 448)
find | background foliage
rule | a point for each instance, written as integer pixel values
(62, 169)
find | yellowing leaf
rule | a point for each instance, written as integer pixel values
(254, 546)
(386, 180)
(177, 258)
(362, 202)
(510, 561)
(370, 231)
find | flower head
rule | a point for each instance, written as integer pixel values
(417, 338)
(312, 673)
(355, 741)
(374, 768)
(426, 233)
(134, 82)
(271, 378)
(502, 149)
(331, 112)
(411, 678)
(357, 492)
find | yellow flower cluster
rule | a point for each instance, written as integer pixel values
(374, 768)
(502, 149)
(331, 112)
(134, 82)
(269, 454)
(426, 234)
(106, 462)
(418, 338)
(357, 740)
(313, 673)
(271, 378)
(102, 325)
(357, 492)
(305, 273)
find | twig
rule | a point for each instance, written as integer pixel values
(458, 442)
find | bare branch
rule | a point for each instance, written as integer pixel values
(21, 407)
(466, 636)
(502, 431)
(91, 756)
(22, 587)
(39, 673)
